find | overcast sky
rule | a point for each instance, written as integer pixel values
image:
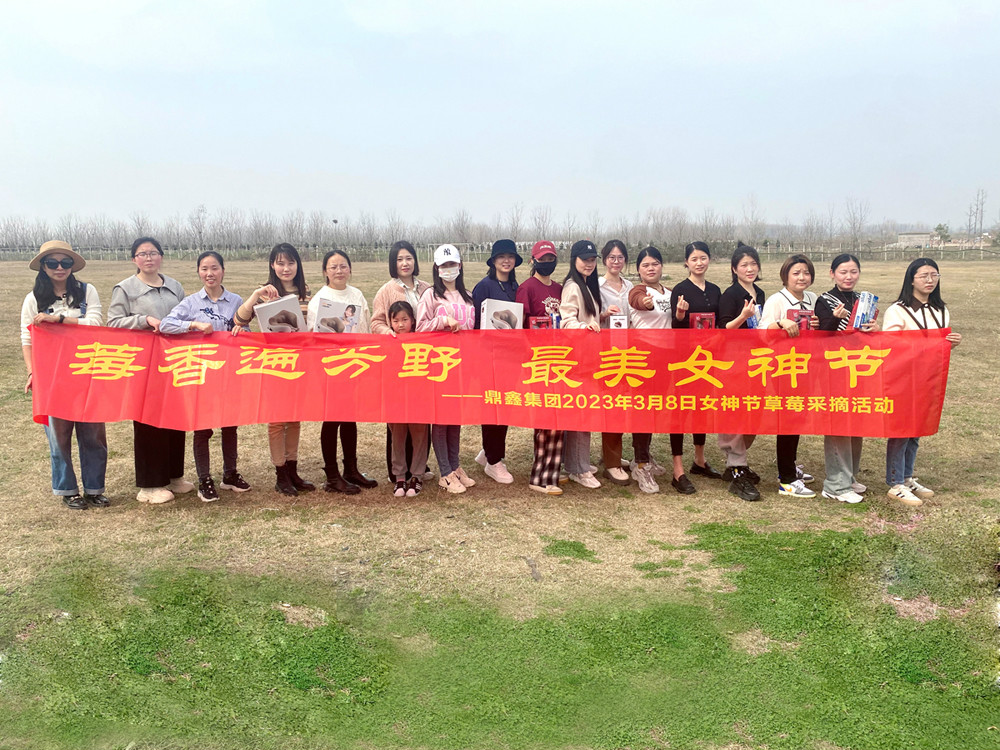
(369, 105)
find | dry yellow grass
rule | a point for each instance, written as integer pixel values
(477, 545)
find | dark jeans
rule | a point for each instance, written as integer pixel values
(202, 464)
(787, 449)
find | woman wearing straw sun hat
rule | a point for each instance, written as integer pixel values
(58, 297)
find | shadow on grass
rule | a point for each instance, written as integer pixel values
(191, 658)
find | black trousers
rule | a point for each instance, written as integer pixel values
(495, 442)
(677, 442)
(159, 455)
(787, 448)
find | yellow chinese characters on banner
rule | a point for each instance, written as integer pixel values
(188, 364)
(789, 365)
(356, 357)
(628, 364)
(418, 358)
(859, 362)
(550, 365)
(700, 364)
(106, 361)
(279, 362)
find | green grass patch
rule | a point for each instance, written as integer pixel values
(193, 659)
(568, 548)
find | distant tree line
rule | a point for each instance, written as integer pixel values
(847, 226)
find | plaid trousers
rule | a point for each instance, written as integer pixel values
(548, 456)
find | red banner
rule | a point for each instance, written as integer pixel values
(754, 382)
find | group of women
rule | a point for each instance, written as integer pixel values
(149, 300)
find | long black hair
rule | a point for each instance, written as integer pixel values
(591, 283)
(439, 288)
(743, 251)
(906, 293)
(45, 294)
(290, 253)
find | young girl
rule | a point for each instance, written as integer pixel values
(500, 283)
(843, 453)
(797, 274)
(919, 308)
(403, 321)
(540, 296)
(336, 273)
(615, 290)
(58, 297)
(446, 306)
(211, 309)
(285, 276)
(580, 307)
(693, 295)
(738, 305)
(650, 308)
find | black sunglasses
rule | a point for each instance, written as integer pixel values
(66, 263)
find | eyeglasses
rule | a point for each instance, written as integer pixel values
(616, 258)
(53, 264)
(146, 256)
(928, 277)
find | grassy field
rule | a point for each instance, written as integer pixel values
(501, 618)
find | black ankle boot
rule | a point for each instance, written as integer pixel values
(351, 474)
(336, 483)
(284, 483)
(298, 482)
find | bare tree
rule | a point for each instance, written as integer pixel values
(141, 225)
(395, 226)
(753, 220)
(592, 225)
(677, 228)
(812, 230)
(317, 227)
(263, 229)
(856, 214)
(708, 225)
(541, 223)
(198, 220)
(570, 226)
(515, 221)
(831, 222)
(459, 227)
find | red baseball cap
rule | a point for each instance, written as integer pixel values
(542, 247)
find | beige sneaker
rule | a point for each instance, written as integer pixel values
(452, 484)
(180, 486)
(918, 489)
(901, 494)
(154, 495)
(464, 478)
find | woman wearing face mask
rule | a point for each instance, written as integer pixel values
(919, 308)
(285, 277)
(446, 306)
(843, 453)
(650, 309)
(739, 306)
(58, 297)
(615, 289)
(500, 283)
(797, 274)
(140, 302)
(211, 309)
(336, 273)
(693, 295)
(540, 296)
(402, 286)
(580, 307)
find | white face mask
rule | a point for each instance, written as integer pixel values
(449, 274)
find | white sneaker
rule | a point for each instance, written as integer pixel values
(547, 489)
(845, 497)
(464, 478)
(452, 484)
(644, 476)
(481, 458)
(802, 475)
(654, 468)
(859, 488)
(180, 486)
(154, 495)
(593, 469)
(563, 476)
(498, 472)
(428, 476)
(918, 489)
(795, 489)
(587, 479)
(902, 494)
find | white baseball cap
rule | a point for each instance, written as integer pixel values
(446, 254)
